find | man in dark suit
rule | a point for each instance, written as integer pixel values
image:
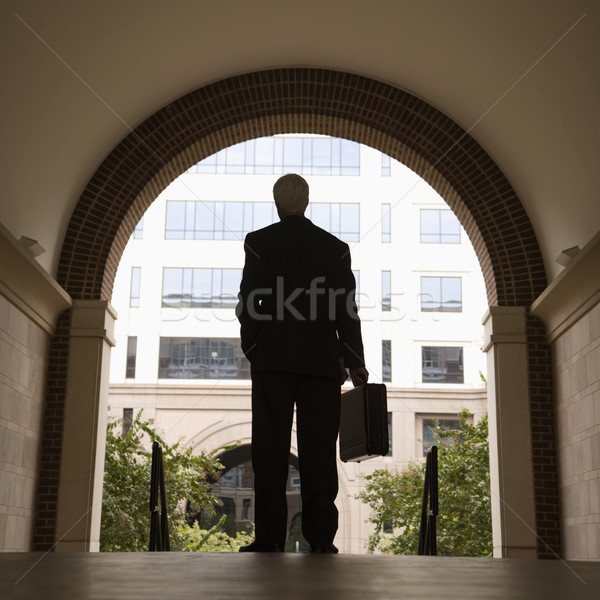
(298, 321)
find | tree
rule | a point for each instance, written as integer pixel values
(464, 522)
(213, 539)
(125, 515)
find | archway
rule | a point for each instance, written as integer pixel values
(323, 102)
(235, 488)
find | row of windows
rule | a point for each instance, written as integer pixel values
(202, 358)
(200, 288)
(439, 364)
(187, 287)
(222, 358)
(438, 294)
(194, 220)
(276, 156)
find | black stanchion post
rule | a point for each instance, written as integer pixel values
(159, 523)
(424, 503)
(164, 519)
(429, 506)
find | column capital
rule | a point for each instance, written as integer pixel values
(504, 324)
(93, 318)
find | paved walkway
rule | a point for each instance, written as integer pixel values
(289, 577)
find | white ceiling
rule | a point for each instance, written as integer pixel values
(522, 76)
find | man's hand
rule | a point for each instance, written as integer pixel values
(358, 376)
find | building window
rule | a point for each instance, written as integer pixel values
(342, 220)
(389, 419)
(276, 156)
(138, 232)
(134, 296)
(441, 294)
(439, 226)
(429, 425)
(386, 290)
(131, 357)
(202, 358)
(200, 288)
(442, 364)
(386, 165)
(127, 420)
(386, 223)
(386, 360)
(246, 509)
(195, 220)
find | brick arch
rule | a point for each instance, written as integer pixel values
(302, 100)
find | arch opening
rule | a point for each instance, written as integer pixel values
(288, 101)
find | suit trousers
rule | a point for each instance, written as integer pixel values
(317, 401)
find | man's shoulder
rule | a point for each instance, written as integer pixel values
(263, 231)
(328, 238)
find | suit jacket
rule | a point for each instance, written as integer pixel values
(296, 303)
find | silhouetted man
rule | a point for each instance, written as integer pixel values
(298, 321)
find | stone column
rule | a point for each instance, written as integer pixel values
(84, 428)
(511, 464)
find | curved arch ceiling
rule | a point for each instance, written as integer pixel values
(521, 77)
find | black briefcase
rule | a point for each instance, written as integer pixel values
(364, 423)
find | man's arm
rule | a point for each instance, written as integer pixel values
(348, 322)
(247, 309)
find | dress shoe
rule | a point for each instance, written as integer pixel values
(324, 549)
(256, 546)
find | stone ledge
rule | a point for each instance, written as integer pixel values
(28, 286)
(572, 294)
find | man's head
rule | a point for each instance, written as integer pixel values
(291, 195)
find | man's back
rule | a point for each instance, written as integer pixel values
(301, 277)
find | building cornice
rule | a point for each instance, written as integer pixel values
(572, 294)
(28, 286)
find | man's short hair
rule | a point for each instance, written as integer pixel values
(291, 194)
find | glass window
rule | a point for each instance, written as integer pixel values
(175, 220)
(204, 221)
(131, 357)
(134, 297)
(386, 360)
(449, 228)
(234, 221)
(230, 286)
(350, 158)
(200, 288)
(320, 214)
(292, 154)
(270, 156)
(235, 158)
(349, 222)
(439, 227)
(386, 223)
(442, 364)
(127, 420)
(321, 156)
(172, 287)
(429, 425)
(386, 165)
(202, 358)
(138, 232)
(389, 419)
(441, 294)
(386, 290)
